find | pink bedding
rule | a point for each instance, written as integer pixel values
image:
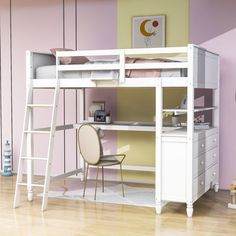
(144, 72)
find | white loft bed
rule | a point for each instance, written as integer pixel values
(204, 61)
(187, 161)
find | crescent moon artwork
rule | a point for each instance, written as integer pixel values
(148, 31)
(143, 30)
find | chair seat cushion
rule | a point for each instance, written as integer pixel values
(108, 161)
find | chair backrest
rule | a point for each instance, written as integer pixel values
(89, 144)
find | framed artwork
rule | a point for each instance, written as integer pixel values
(148, 31)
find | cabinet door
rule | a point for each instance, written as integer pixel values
(174, 171)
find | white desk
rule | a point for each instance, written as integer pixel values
(135, 126)
(132, 126)
(123, 126)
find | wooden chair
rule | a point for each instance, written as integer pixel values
(91, 150)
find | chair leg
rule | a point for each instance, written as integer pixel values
(95, 194)
(122, 182)
(85, 183)
(102, 179)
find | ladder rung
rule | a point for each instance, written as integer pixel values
(35, 158)
(39, 105)
(33, 185)
(37, 132)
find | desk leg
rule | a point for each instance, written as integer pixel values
(83, 168)
(189, 209)
(216, 187)
(158, 208)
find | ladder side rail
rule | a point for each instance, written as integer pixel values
(23, 150)
(51, 139)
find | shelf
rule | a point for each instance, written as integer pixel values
(184, 111)
(182, 132)
(135, 168)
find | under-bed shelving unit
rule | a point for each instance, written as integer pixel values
(187, 160)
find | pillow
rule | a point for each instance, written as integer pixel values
(69, 60)
(143, 72)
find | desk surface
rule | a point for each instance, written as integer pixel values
(131, 126)
(145, 127)
(124, 126)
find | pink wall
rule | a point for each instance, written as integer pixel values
(38, 26)
(212, 23)
(97, 24)
(210, 18)
(71, 159)
(27, 34)
(5, 68)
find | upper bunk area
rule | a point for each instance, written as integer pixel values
(174, 66)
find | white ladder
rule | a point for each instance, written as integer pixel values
(26, 152)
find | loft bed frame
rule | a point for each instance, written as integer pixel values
(197, 60)
(202, 72)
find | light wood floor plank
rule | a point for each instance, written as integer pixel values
(82, 218)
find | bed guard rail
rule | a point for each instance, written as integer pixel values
(119, 64)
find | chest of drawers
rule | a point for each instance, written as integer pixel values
(204, 162)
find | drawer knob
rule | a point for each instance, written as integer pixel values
(203, 145)
(214, 173)
(202, 182)
(214, 140)
(214, 155)
(202, 162)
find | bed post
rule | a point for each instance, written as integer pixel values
(81, 119)
(190, 130)
(158, 146)
(216, 120)
(29, 151)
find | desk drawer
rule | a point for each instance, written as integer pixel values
(202, 183)
(199, 164)
(203, 145)
(204, 161)
(199, 185)
(211, 157)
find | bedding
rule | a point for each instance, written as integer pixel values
(49, 72)
(153, 72)
(142, 73)
(46, 72)
(69, 60)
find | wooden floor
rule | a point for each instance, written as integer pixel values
(67, 217)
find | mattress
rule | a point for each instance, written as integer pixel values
(49, 72)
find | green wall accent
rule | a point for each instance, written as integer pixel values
(139, 104)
